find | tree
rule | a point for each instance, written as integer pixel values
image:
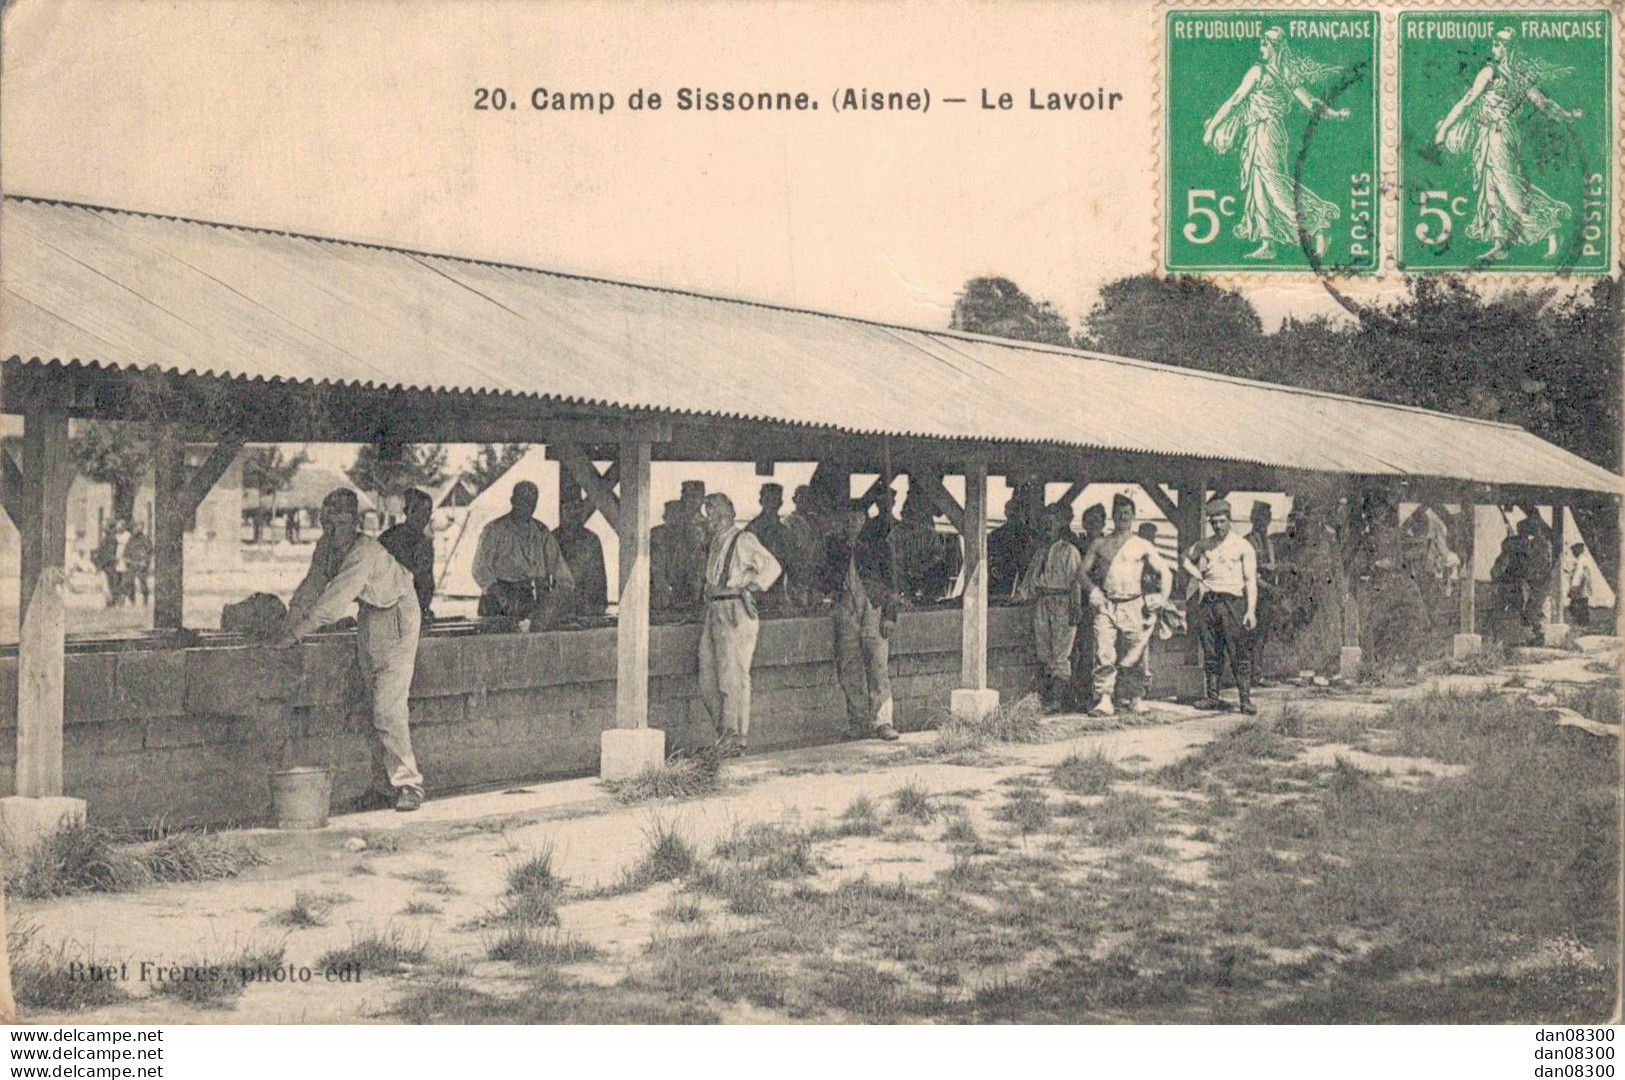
(116, 454)
(490, 462)
(1186, 321)
(421, 466)
(996, 306)
(266, 471)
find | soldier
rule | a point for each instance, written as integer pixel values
(347, 568)
(771, 531)
(858, 573)
(738, 569)
(1124, 615)
(1225, 570)
(413, 547)
(1053, 584)
(584, 555)
(519, 566)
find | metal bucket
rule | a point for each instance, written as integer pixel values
(302, 797)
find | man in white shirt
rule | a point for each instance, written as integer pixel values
(1582, 585)
(1124, 616)
(351, 568)
(738, 569)
(1224, 569)
(519, 566)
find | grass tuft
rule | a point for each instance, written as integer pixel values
(216, 983)
(523, 945)
(1021, 722)
(420, 907)
(860, 818)
(1123, 816)
(681, 776)
(310, 909)
(1027, 809)
(431, 879)
(913, 801)
(42, 979)
(1091, 774)
(378, 951)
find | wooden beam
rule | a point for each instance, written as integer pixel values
(201, 480)
(585, 473)
(12, 489)
(170, 518)
(1073, 490)
(973, 612)
(1469, 557)
(930, 486)
(1154, 492)
(874, 494)
(48, 470)
(632, 611)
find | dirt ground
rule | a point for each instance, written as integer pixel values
(437, 880)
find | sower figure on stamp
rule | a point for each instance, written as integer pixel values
(1125, 617)
(351, 568)
(1224, 570)
(1053, 584)
(1275, 204)
(738, 569)
(858, 573)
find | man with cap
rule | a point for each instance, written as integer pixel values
(1053, 584)
(738, 569)
(858, 573)
(1224, 569)
(666, 582)
(767, 527)
(1125, 616)
(518, 565)
(347, 568)
(1010, 546)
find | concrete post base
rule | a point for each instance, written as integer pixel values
(1349, 658)
(625, 752)
(1554, 635)
(972, 704)
(1465, 646)
(24, 822)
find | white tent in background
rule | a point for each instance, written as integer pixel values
(454, 547)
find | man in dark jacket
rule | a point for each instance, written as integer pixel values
(413, 547)
(584, 555)
(858, 573)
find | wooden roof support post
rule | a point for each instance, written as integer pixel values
(1554, 629)
(47, 471)
(974, 699)
(1467, 641)
(1187, 519)
(632, 746)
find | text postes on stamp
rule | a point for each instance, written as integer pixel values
(1270, 141)
(1505, 160)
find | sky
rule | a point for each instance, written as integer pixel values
(356, 119)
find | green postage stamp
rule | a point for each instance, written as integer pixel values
(1270, 141)
(1505, 158)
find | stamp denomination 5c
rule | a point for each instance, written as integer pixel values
(1505, 160)
(1270, 132)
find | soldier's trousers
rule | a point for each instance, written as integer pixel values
(1053, 635)
(1122, 636)
(727, 646)
(862, 659)
(387, 646)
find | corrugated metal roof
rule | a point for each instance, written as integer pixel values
(125, 289)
